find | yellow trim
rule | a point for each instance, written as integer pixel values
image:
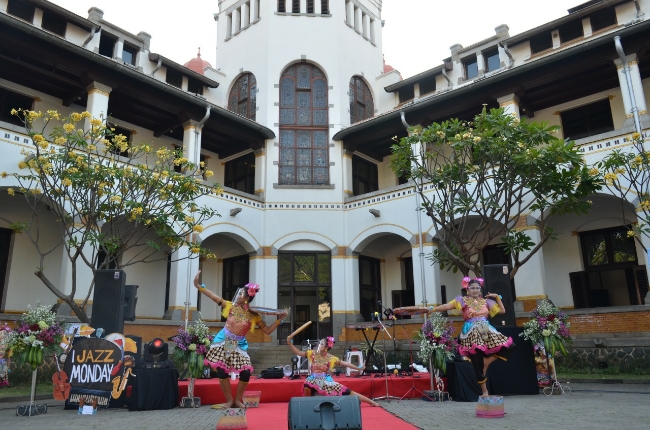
(180, 308)
(566, 307)
(528, 227)
(539, 297)
(345, 256)
(509, 102)
(189, 127)
(261, 154)
(643, 112)
(260, 191)
(95, 90)
(263, 257)
(348, 192)
(347, 312)
(346, 155)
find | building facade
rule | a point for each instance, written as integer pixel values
(296, 119)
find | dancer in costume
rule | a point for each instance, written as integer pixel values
(320, 381)
(228, 349)
(479, 340)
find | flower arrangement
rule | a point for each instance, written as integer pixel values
(192, 346)
(437, 341)
(548, 325)
(38, 331)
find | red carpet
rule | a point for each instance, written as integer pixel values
(275, 416)
(282, 390)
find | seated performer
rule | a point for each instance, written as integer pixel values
(320, 381)
(479, 340)
(228, 349)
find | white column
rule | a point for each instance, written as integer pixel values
(97, 103)
(357, 19)
(119, 49)
(317, 7)
(245, 15)
(192, 141)
(530, 280)
(263, 270)
(426, 276)
(480, 63)
(84, 273)
(366, 26)
(255, 10)
(510, 105)
(288, 6)
(349, 14)
(347, 174)
(38, 18)
(345, 296)
(236, 21)
(637, 85)
(303, 6)
(229, 26)
(181, 278)
(644, 259)
(260, 172)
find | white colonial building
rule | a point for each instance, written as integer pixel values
(296, 119)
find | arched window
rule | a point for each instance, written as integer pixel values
(361, 105)
(304, 148)
(243, 95)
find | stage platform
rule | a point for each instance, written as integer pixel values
(282, 390)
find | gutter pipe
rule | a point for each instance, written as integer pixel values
(199, 126)
(90, 37)
(418, 213)
(628, 79)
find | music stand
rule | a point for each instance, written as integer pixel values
(387, 396)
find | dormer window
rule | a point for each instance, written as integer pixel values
(492, 61)
(407, 93)
(427, 85)
(570, 31)
(295, 6)
(107, 45)
(324, 7)
(174, 78)
(471, 68)
(603, 18)
(129, 54)
(21, 10)
(194, 86)
(53, 24)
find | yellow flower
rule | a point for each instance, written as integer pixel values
(209, 173)
(195, 250)
(630, 233)
(636, 136)
(620, 171)
(85, 114)
(189, 219)
(14, 112)
(116, 199)
(22, 165)
(67, 182)
(60, 141)
(477, 139)
(68, 128)
(11, 191)
(53, 114)
(198, 228)
(593, 171)
(76, 117)
(645, 205)
(4, 175)
(610, 177)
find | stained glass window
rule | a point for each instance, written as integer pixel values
(242, 99)
(304, 128)
(361, 104)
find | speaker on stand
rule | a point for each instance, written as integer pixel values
(497, 281)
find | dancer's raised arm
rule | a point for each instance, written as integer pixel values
(201, 287)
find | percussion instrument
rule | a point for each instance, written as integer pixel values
(410, 310)
(267, 311)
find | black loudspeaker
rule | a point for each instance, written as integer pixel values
(130, 300)
(325, 412)
(108, 301)
(497, 280)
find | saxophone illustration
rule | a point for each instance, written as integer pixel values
(119, 383)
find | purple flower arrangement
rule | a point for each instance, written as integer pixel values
(550, 326)
(192, 345)
(437, 341)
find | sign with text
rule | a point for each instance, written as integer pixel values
(91, 366)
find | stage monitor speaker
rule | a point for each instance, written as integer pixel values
(497, 280)
(108, 301)
(325, 412)
(130, 300)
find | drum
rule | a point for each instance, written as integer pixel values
(267, 311)
(410, 310)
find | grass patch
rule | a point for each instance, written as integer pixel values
(25, 390)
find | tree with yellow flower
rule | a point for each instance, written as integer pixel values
(627, 175)
(478, 179)
(108, 197)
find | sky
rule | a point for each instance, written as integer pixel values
(416, 36)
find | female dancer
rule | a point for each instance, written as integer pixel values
(479, 341)
(228, 350)
(322, 362)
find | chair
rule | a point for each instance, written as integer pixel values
(348, 358)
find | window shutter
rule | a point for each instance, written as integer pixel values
(580, 289)
(641, 280)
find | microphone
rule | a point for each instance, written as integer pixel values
(376, 316)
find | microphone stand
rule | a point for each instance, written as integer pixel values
(387, 396)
